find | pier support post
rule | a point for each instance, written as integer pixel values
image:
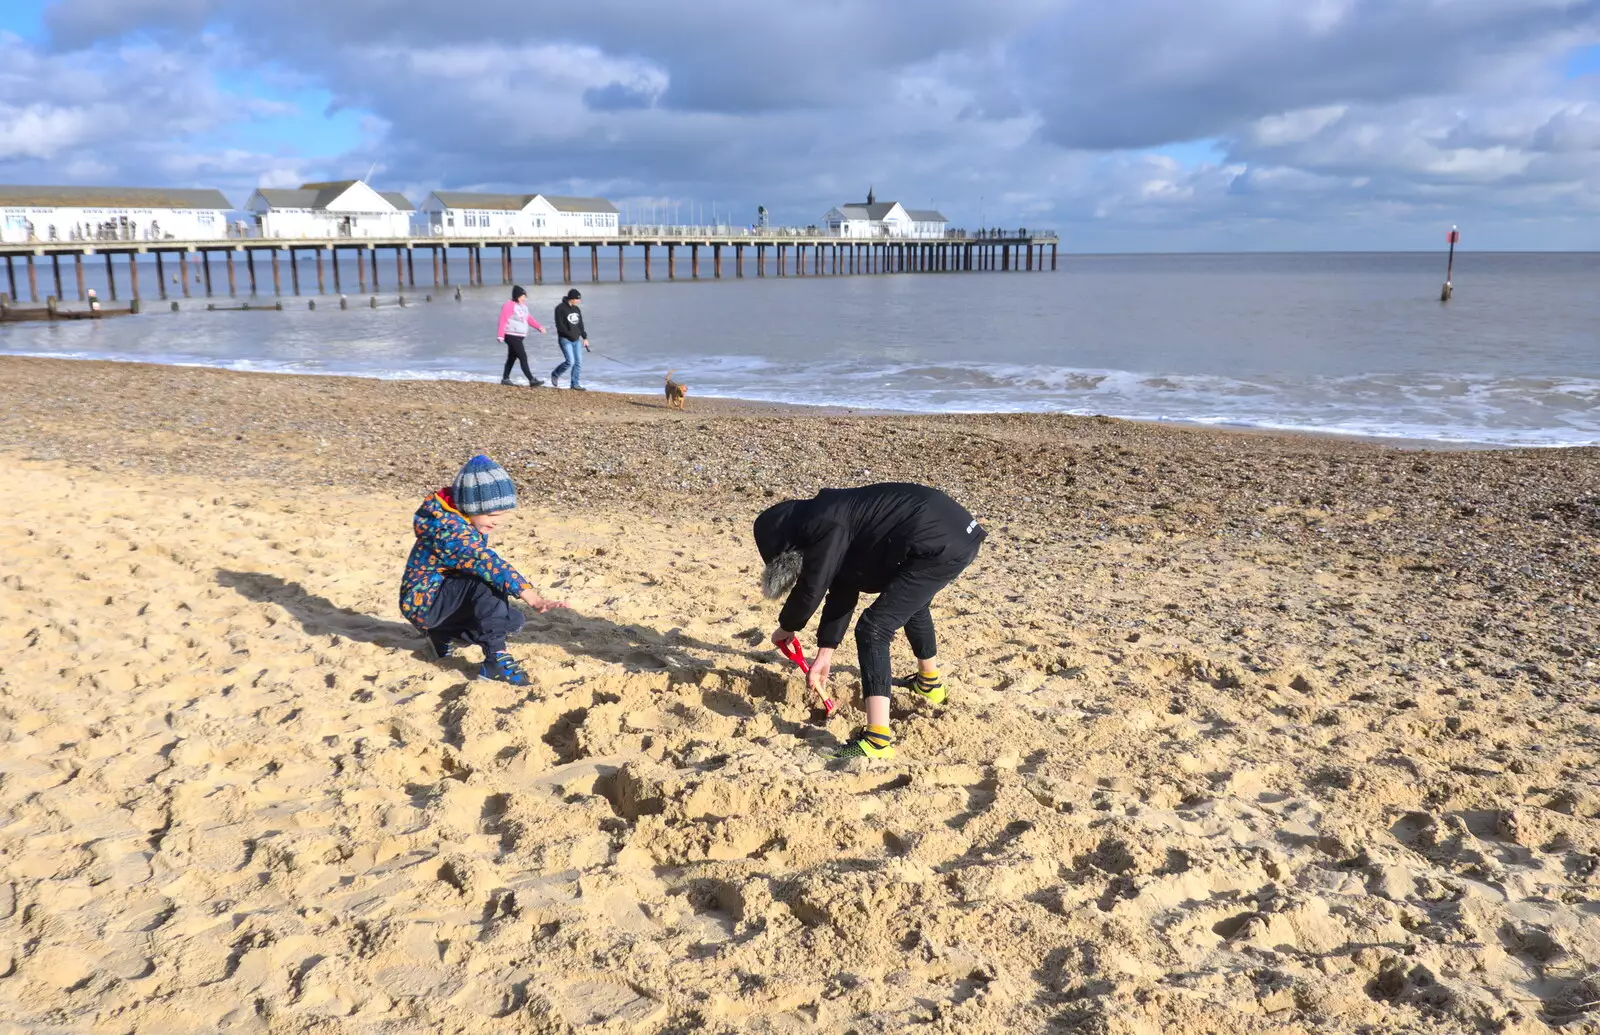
(361, 270)
(55, 268)
(621, 275)
(111, 278)
(594, 263)
(183, 273)
(277, 276)
(11, 275)
(538, 265)
(333, 259)
(1052, 258)
(205, 270)
(1030, 256)
(647, 262)
(161, 276)
(672, 262)
(799, 260)
(294, 272)
(505, 264)
(761, 260)
(322, 285)
(250, 268)
(82, 293)
(372, 259)
(738, 262)
(233, 283)
(566, 264)
(782, 262)
(133, 274)
(400, 265)
(694, 261)
(716, 261)
(1005, 258)
(411, 266)
(33, 280)
(444, 254)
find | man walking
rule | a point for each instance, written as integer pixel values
(903, 542)
(569, 329)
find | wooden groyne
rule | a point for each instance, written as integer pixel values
(52, 309)
(779, 254)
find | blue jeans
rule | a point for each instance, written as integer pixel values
(572, 359)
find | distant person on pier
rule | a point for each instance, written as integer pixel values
(514, 324)
(570, 332)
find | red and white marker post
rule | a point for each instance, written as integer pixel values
(1454, 236)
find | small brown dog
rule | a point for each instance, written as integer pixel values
(675, 392)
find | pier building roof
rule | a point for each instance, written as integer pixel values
(876, 210)
(321, 195)
(562, 203)
(484, 201)
(111, 197)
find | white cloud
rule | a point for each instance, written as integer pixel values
(41, 131)
(1371, 117)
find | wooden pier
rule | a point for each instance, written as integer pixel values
(761, 254)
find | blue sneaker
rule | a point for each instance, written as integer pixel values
(503, 668)
(441, 647)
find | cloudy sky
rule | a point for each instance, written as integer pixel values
(1129, 126)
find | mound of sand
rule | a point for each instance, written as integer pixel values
(235, 798)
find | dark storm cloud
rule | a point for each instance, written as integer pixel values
(1140, 75)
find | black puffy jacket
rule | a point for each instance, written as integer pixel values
(856, 540)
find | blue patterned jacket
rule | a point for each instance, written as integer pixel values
(447, 544)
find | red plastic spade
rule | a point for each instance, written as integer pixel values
(797, 654)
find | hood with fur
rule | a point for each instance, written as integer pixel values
(774, 529)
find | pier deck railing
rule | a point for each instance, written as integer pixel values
(808, 251)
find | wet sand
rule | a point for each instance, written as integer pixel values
(1247, 732)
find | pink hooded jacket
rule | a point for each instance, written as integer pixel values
(514, 319)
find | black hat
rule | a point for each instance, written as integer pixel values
(574, 293)
(517, 293)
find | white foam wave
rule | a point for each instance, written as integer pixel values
(1467, 409)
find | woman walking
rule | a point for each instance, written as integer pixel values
(514, 324)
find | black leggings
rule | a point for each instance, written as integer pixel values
(515, 354)
(471, 610)
(903, 604)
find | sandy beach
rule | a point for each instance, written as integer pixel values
(1248, 733)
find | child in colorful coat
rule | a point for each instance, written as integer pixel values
(455, 587)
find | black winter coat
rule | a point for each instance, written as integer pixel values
(857, 540)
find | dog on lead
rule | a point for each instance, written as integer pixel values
(675, 392)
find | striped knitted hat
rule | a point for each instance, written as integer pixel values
(483, 487)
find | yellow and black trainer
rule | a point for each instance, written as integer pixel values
(928, 685)
(870, 742)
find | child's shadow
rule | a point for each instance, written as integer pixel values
(319, 616)
(635, 648)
